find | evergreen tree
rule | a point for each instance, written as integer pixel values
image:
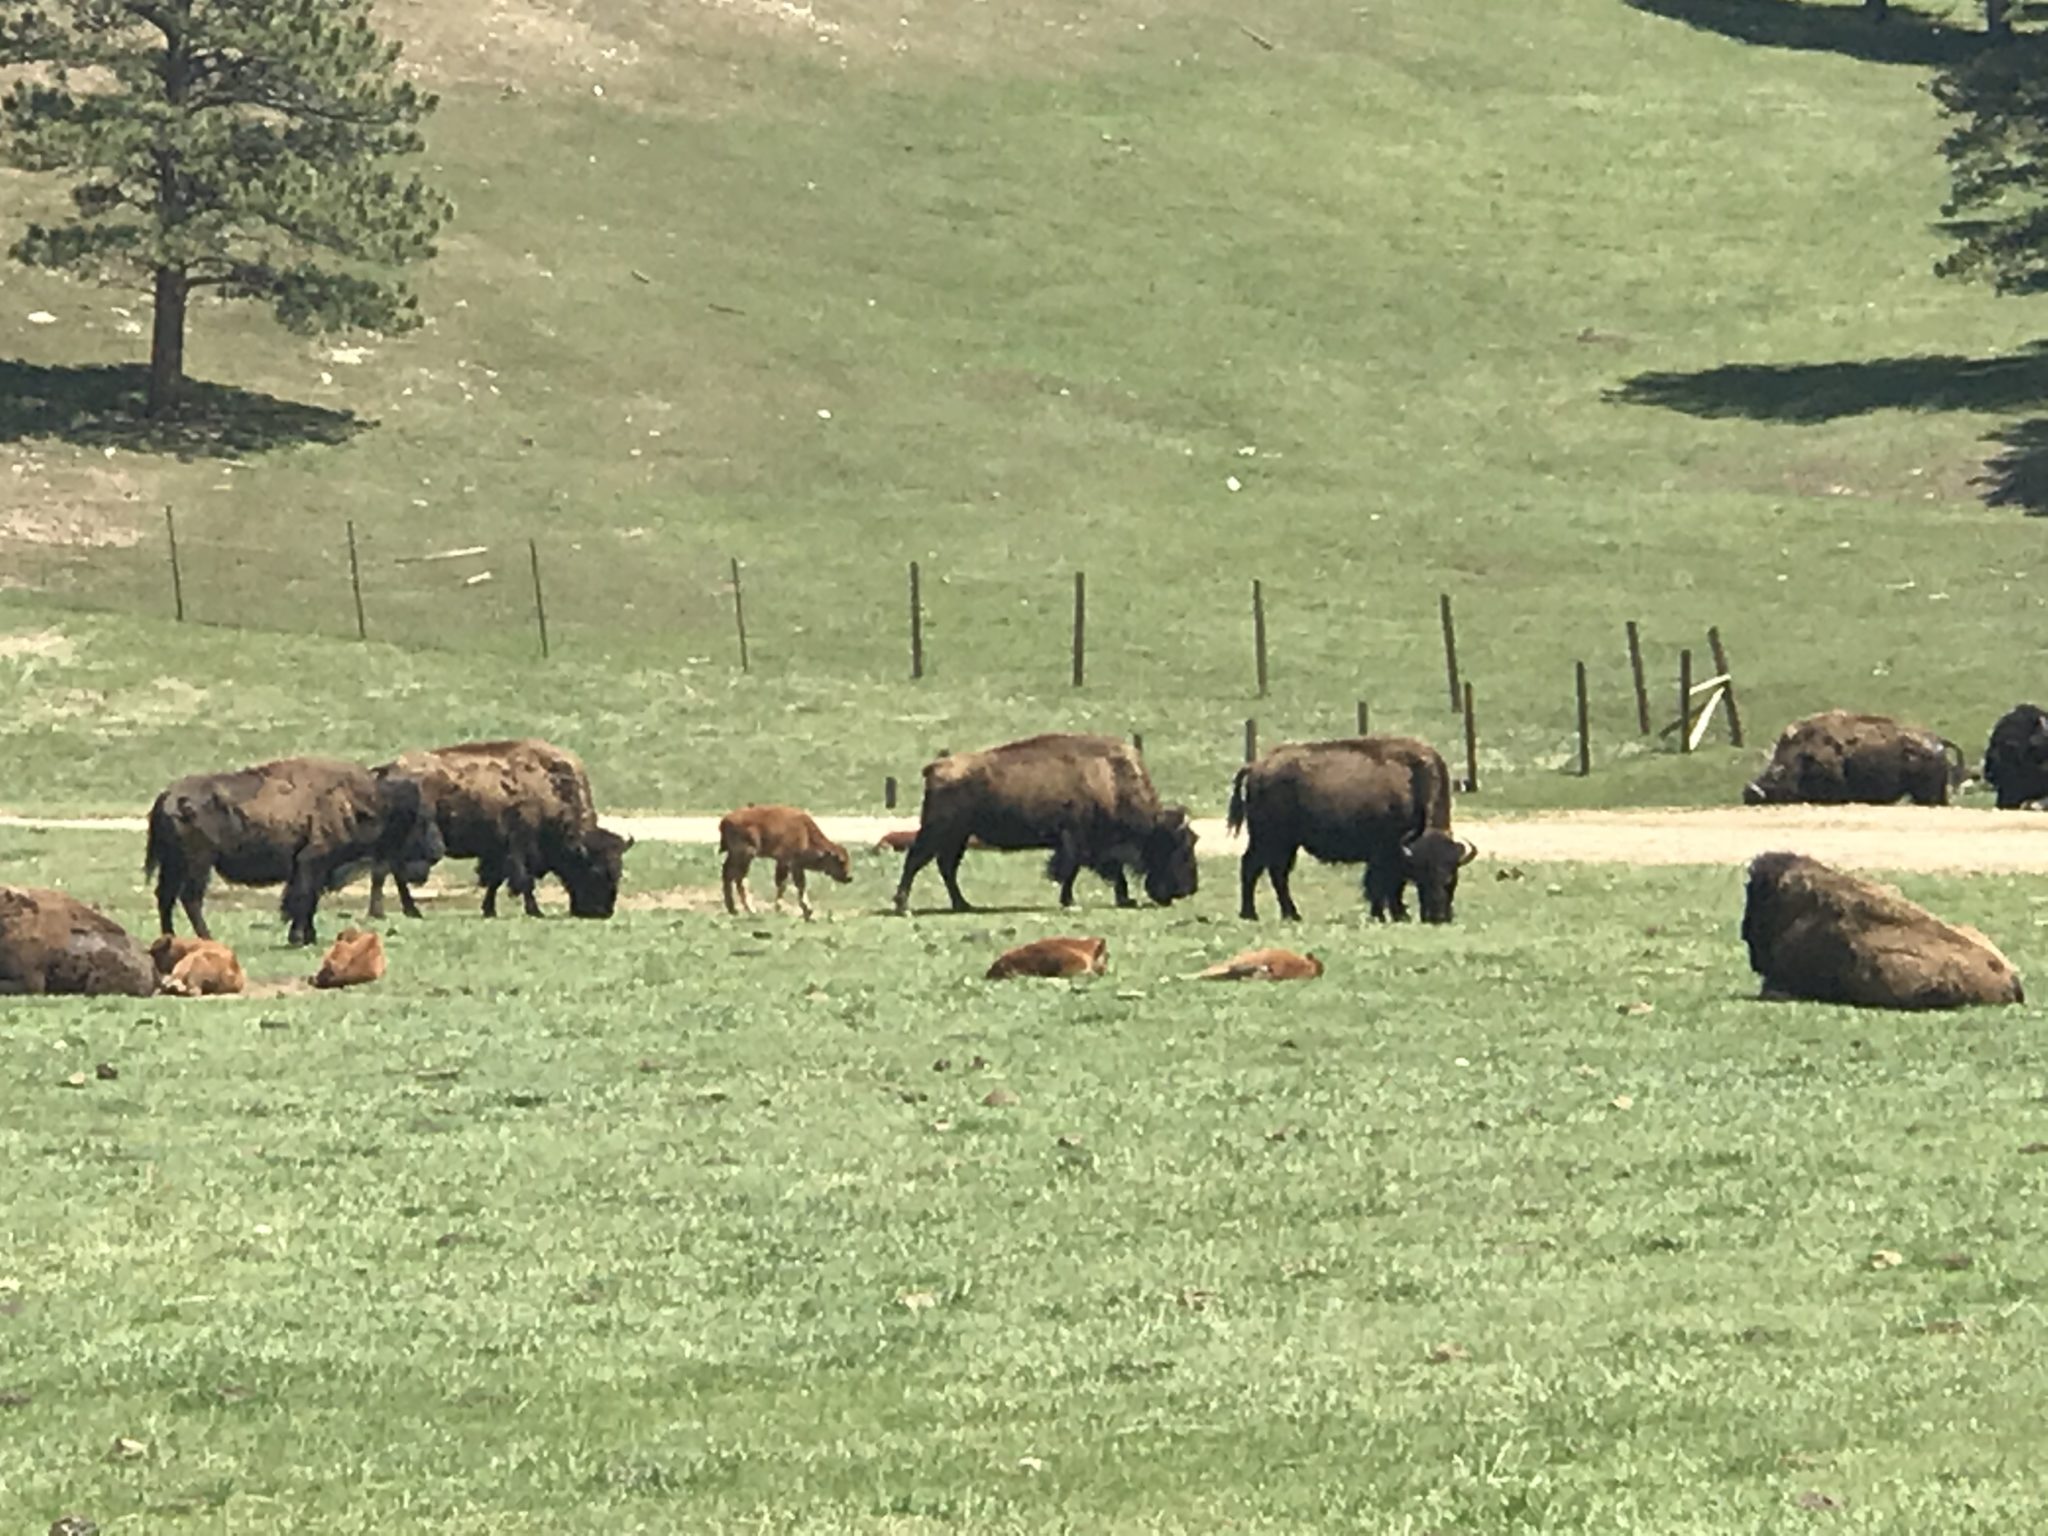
(232, 145)
(1997, 155)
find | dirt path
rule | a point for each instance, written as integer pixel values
(1859, 837)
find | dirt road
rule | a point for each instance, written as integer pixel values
(1859, 837)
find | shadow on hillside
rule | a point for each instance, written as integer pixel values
(2017, 474)
(1903, 37)
(1813, 392)
(101, 406)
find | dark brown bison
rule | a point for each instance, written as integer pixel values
(1839, 758)
(1815, 932)
(54, 943)
(2016, 759)
(522, 810)
(308, 823)
(1087, 798)
(1383, 801)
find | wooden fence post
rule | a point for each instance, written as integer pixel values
(1585, 733)
(1080, 628)
(1251, 739)
(1727, 688)
(355, 581)
(1364, 719)
(1450, 648)
(1685, 701)
(177, 576)
(1259, 631)
(1471, 746)
(1635, 665)
(916, 624)
(739, 612)
(540, 606)
(889, 792)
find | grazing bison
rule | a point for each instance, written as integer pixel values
(1815, 932)
(786, 835)
(522, 810)
(1839, 758)
(196, 967)
(355, 958)
(1052, 957)
(1087, 798)
(1384, 801)
(2016, 760)
(54, 943)
(1265, 965)
(306, 822)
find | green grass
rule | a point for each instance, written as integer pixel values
(1601, 316)
(674, 1221)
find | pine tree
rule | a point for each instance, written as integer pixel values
(232, 145)
(1997, 154)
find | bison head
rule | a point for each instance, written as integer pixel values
(1432, 860)
(412, 842)
(1169, 857)
(591, 869)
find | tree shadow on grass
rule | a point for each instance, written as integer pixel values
(2017, 474)
(1903, 37)
(102, 406)
(1806, 393)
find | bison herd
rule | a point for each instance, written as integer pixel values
(523, 810)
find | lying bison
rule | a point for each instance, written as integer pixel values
(523, 810)
(2016, 759)
(307, 823)
(1839, 758)
(1383, 801)
(1815, 932)
(54, 943)
(1087, 798)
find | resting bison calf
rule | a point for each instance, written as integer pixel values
(355, 958)
(196, 967)
(1052, 957)
(1265, 965)
(788, 836)
(1087, 798)
(523, 810)
(1814, 932)
(2016, 759)
(54, 943)
(1839, 758)
(1380, 801)
(304, 822)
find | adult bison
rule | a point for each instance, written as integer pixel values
(54, 943)
(1384, 801)
(308, 823)
(1087, 798)
(522, 810)
(1839, 758)
(2016, 759)
(1816, 932)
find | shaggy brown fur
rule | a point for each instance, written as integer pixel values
(1265, 965)
(54, 943)
(196, 967)
(788, 836)
(1815, 932)
(523, 810)
(1087, 798)
(355, 957)
(1052, 957)
(1840, 758)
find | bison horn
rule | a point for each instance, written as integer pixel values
(1466, 854)
(627, 844)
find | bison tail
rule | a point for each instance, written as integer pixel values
(161, 846)
(1959, 765)
(1237, 785)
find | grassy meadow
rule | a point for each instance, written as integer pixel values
(1605, 315)
(677, 1221)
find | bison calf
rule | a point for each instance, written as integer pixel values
(196, 967)
(1265, 965)
(1052, 957)
(54, 943)
(789, 837)
(1815, 932)
(355, 957)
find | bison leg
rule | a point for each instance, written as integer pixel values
(1120, 882)
(734, 880)
(188, 889)
(1249, 868)
(1280, 868)
(406, 904)
(302, 899)
(803, 899)
(1383, 890)
(949, 871)
(781, 882)
(1065, 867)
(921, 853)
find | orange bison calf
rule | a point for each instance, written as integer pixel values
(789, 837)
(1265, 965)
(1052, 957)
(196, 967)
(355, 958)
